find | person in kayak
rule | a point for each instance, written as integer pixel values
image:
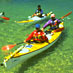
(38, 36)
(53, 23)
(2, 14)
(38, 12)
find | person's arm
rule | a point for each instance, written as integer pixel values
(41, 11)
(47, 24)
(45, 37)
(36, 11)
(58, 21)
(29, 38)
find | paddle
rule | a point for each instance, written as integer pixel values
(6, 18)
(66, 15)
(10, 56)
(25, 21)
(8, 47)
(60, 29)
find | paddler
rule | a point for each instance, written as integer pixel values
(2, 14)
(38, 12)
(38, 36)
(53, 23)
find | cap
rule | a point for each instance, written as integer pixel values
(52, 15)
(37, 26)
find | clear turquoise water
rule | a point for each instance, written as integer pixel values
(57, 61)
(23, 8)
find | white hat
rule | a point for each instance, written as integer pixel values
(52, 15)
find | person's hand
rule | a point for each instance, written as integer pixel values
(39, 13)
(42, 29)
(55, 21)
(24, 41)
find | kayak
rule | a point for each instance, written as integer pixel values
(35, 18)
(5, 18)
(25, 21)
(27, 51)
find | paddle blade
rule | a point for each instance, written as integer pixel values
(6, 18)
(8, 47)
(66, 15)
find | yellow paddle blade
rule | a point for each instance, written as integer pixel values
(11, 55)
(25, 21)
(49, 13)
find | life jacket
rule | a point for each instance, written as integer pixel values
(39, 36)
(38, 11)
(53, 25)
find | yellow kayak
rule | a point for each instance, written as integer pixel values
(33, 19)
(25, 21)
(27, 51)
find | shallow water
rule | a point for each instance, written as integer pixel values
(11, 32)
(24, 8)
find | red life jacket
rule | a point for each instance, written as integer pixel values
(37, 36)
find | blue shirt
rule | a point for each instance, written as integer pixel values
(39, 11)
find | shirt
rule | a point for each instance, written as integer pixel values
(37, 36)
(39, 11)
(51, 22)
